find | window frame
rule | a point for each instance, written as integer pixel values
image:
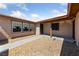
(31, 26)
(23, 26)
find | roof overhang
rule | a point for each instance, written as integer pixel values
(54, 19)
(73, 9)
(16, 19)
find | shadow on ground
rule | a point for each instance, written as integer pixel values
(2, 42)
(4, 53)
(69, 49)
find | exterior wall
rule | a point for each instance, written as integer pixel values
(38, 29)
(18, 34)
(65, 29)
(6, 26)
(77, 28)
(46, 28)
(5, 23)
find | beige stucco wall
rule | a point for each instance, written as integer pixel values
(77, 28)
(18, 34)
(65, 29)
(5, 23)
(46, 28)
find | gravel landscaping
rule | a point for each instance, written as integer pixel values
(40, 47)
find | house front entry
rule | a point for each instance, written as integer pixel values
(41, 28)
(73, 29)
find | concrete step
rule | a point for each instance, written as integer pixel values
(69, 40)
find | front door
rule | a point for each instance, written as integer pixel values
(41, 28)
(73, 29)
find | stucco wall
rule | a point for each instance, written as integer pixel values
(18, 34)
(5, 23)
(65, 29)
(77, 28)
(46, 28)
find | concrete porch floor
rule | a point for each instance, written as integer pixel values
(41, 45)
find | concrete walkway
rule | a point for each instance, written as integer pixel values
(18, 43)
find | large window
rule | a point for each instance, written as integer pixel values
(16, 26)
(21, 26)
(25, 27)
(55, 26)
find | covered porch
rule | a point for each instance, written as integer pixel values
(64, 28)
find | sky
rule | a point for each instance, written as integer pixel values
(33, 11)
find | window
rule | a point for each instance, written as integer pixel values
(55, 26)
(31, 27)
(25, 27)
(21, 26)
(16, 26)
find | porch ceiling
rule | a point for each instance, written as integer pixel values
(73, 9)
